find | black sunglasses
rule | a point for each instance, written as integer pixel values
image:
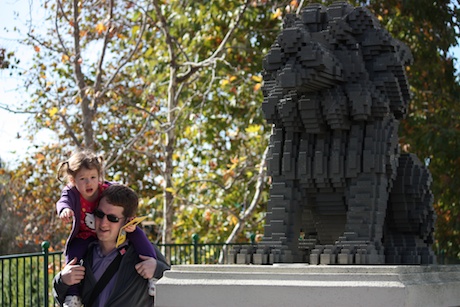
(112, 218)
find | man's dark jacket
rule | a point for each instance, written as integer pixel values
(130, 289)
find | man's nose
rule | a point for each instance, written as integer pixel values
(104, 220)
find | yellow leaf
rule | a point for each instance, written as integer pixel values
(135, 29)
(65, 58)
(187, 131)
(256, 78)
(52, 111)
(277, 14)
(257, 87)
(253, 129)
(233, 220)
(224, 82)
(100, 27)
(170, 190)
(232, 78)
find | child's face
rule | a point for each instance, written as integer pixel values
(87, 181)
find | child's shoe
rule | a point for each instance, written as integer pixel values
(152, 282)
(72, 301)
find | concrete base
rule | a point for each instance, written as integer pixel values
(304, 285)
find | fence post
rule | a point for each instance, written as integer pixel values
(195, 248)
(45, 247)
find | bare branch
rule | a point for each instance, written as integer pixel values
(250, 210)
(42, 44)
(99, 72)
(114, 156)
(163, 25)
(215, 182)
(69, 130)
(80, 80)
(299, 8)
(255, 200)
(218, 52)
(56, 26)
(16, 111)
(105, 88)
(152, 115)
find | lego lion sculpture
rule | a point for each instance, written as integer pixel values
(335, 90)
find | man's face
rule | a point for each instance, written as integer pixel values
(106, 230)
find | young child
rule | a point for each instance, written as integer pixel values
(79, 199)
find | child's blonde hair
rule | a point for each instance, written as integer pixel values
(81, 159)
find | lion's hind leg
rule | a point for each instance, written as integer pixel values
(409, 225)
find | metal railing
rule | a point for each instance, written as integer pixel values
(198, 253)
(26, 279)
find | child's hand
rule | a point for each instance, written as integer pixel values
(130, 228)
(66, 215)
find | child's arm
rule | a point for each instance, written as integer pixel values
(65, 205)
(141, 243)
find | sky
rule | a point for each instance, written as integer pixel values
(16, 13)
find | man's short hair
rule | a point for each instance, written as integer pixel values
(122, 196)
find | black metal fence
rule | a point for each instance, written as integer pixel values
(26, 279)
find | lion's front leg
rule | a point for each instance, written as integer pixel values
(369, 171)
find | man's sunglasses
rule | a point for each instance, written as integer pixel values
(112, 218)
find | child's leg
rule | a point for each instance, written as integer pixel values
(77, 248)
(144, 247)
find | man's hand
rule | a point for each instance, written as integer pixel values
(72, 273)
(66, 215)
(147, 267)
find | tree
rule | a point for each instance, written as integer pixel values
(176, 101)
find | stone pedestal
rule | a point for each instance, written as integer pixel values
(304, 285)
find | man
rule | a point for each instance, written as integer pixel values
(128, 286)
